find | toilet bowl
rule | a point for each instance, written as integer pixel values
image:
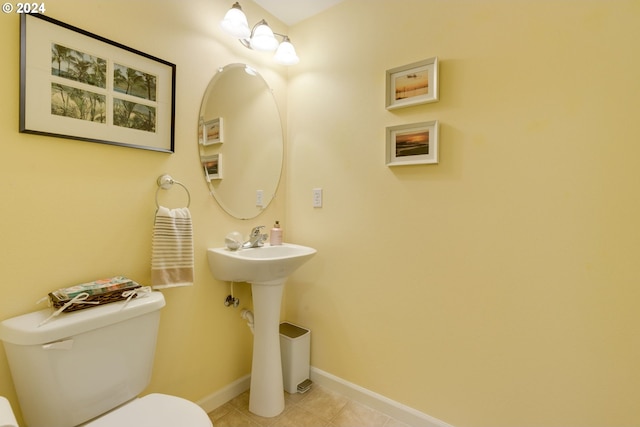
(154, 410)
(7, 418)
(88, 368)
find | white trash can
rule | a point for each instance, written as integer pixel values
(295, 350)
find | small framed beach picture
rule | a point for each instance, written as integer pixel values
(212, 166)
(412, 144)
(412, 84)
(213, 132)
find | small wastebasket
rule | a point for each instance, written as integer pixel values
(295, 350)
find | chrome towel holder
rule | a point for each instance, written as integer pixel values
(165, 182)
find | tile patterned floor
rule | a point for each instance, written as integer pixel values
(319, 407)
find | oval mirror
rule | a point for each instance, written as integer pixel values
(241, 142)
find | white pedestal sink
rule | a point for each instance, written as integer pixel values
(266, 268)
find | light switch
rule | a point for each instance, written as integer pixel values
(259, 198)
(317, 197)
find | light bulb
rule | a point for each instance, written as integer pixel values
(286, 53)
(235, 23)
(263, 39)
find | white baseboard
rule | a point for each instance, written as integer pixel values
(225, 394)
(376, 401)
(359, 394)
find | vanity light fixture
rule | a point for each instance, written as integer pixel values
(260, 37)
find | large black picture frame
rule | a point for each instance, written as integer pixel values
(78, 85)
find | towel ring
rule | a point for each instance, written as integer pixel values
(166, 182)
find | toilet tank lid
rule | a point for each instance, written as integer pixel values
(25, 329)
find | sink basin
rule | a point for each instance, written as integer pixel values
(257, 265)
(266, 268)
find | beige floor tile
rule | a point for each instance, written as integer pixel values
(235, 418)
(395, 423)
(299, 417)
(324, 403)
(220, 412)
(355, 414)
(241, 401)
(295, 398)
(318, 407)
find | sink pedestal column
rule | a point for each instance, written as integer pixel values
(266, 397)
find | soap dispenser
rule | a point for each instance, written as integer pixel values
(276, 234)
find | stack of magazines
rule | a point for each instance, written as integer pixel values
(102, 291)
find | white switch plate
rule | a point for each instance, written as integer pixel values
(259, 198)
(317, 197)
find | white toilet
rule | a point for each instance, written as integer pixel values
(7, 418)
(89, 366)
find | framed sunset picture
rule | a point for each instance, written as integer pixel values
(412, 144)
(412, 84)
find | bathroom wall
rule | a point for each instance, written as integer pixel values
(500, 286)
(75, 211)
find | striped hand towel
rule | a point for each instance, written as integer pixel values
(172, 248)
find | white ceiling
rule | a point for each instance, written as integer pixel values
(293, 11)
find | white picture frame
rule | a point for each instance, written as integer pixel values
(412, 144)
(412, 84)
(212, 165)
(213, 132)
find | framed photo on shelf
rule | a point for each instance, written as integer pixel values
(412, 144)
(412, 84)
(77, 85)
(212, 166)
(213, 132)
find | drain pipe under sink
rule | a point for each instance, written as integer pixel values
(248, 315)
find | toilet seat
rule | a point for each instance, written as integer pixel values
(155, 410)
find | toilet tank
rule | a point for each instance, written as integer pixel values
(81, 364)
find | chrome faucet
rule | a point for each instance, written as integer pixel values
(256, 238)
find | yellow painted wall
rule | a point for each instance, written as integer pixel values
(498, 287)
(501, 286)
(75, 211)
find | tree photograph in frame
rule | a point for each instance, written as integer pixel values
(78, 85)
(412, 144)
(412, 84)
